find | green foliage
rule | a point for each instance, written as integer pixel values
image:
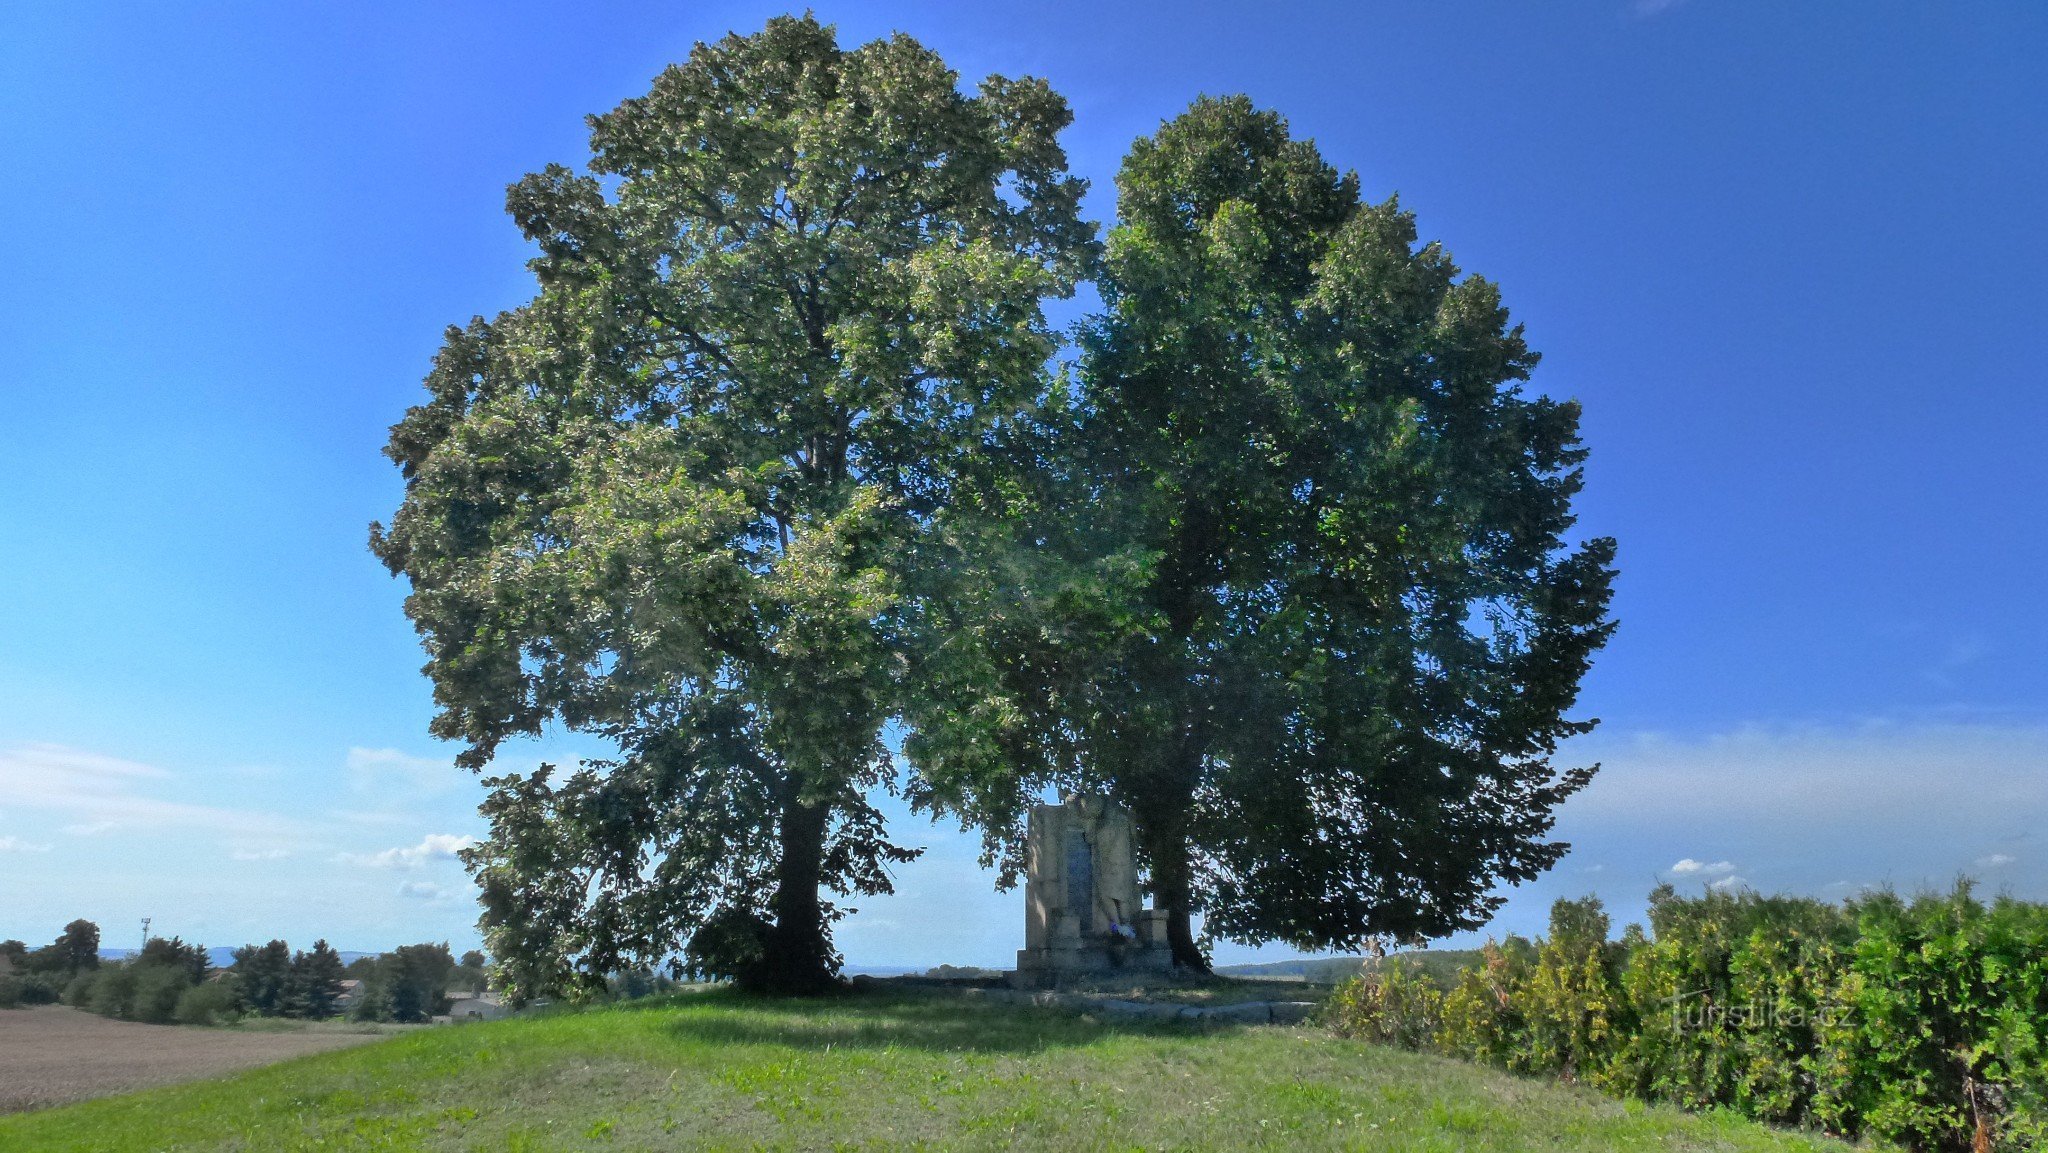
(314, 983)
(1395, 1005)
(112, 993)
(76, 950)
(471, 972)
(375, 1003)
(77, 992)
(263, 976)
(416, 978)
(145, 990)
(1290, 576)
(1949, 998)
(1923, 1022)
(22, 989)
(210, 1003)
(638, 983)
(1568, 1004)
(175, 953)
(158, 989)
(408, 984)
(673, 500)
(962, 973)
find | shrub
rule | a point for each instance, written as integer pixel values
(636, 983)
(40, 989)
(1389, 1003)
(1949, 1000)
(208, 1003)
(1482, 1019)
(10, 992)
(1923, 1023)
(77, 991)
(1570, 997)
(375, 1002)
(158, 989)
(113, 993)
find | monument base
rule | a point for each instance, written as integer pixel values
(1095, 957)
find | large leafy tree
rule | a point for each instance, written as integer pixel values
(673, 500)
(75, 950)
(1286, 570)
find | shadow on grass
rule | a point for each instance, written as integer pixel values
(935, 1023)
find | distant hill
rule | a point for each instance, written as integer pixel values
(1441, 965)
(1315, 970)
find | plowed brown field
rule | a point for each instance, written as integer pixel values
(50, 1054)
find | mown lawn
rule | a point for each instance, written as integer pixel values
(714, 1071)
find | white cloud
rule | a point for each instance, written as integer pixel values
(383, 769)
(1898, 793)
(17, 845)
(1796, 809)
(260, 854)
(363, 817)
(95, 790)
(1648, 8)
(435, 847)
(422, 891)
(1995, 860)
(1689, 867)
(92, 829)
(1727, 884)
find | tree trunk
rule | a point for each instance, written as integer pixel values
(799, 957)
(1172, 891)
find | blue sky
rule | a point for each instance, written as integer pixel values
(1792, 258)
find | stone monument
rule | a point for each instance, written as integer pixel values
(1082, 915)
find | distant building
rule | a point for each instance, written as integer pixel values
(351, 992)
(482, 1007)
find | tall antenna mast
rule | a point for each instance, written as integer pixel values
(145, 934)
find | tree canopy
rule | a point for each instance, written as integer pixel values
(1287, 571)
(674, 501)
(76, 949)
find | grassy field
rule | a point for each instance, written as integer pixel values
(878, 1071)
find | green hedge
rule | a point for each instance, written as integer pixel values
(128, 991)
(1923, 1022)
(18, 990)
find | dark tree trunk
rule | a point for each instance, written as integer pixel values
(799, 957)
(1163, 831)
(1166, 808)
(1173, 893)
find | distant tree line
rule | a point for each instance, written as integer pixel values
(38, 976)
(172, 981)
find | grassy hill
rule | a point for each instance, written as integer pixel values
(876, 1071)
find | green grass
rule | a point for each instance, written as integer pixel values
(879, 1071)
